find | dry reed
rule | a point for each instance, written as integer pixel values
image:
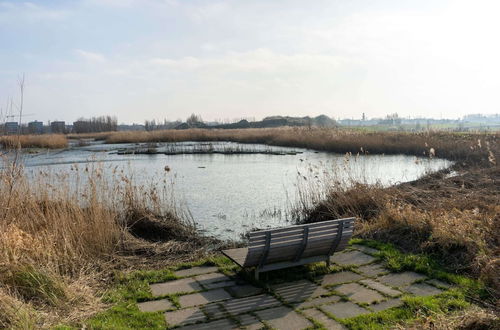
(50, 141)
(453, 146)
(56, 229)
(454, 218)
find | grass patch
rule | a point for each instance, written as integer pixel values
(413, 308)
(133, 287)
(397, 261)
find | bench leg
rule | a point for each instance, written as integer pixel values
(256, 274)
(328, 262)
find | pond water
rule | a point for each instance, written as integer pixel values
(229, 194)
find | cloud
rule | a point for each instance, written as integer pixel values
(28, 12)
(90, 56)
(259, 61)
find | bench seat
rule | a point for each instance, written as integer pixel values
(293, 246)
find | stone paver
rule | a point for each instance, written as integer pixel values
(224, 324)
(250, 322)
(341, 277)
(359, 293)
(373, 270)
(217, 285)
(344, 309)
(423, 289)
(381, 288)
(400, 279)
(320, 317)
(183, 285)
(211, 278)
(203, 298)
(195, 271)
(184, 316)
(365, 249)
(214, 311)
(283, 318)
(317, 302)
(298, 291)
(386, 305)
(245, 290)
(356, 258)
(439, 284)
(155, 305)
(233, 304)
(247, 304)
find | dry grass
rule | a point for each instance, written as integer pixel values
(58, 234)
(473, 318)
(453, 218)
(453, 146)
(50, 141)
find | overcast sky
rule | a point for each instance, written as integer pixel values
(223, 59)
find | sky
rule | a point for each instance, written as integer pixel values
(229, 59)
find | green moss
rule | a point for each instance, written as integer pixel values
(413, 306)
(397, 261)
(127, 316)
(130, 288)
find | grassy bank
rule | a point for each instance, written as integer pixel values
(453, 217)
(61, 238)
(49, 141)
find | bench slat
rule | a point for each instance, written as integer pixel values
(297, 234)
(237, 255)
(310, 225)
(295, 240)
(287, 252)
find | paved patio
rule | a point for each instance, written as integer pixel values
(209, 299)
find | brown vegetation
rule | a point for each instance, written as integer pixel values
(50, 141)
(453, 217)
(464, 147)
(56, 238)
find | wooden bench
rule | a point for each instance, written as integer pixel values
(293, 246)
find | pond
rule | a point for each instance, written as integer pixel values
(231, 188)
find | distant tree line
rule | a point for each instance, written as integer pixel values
(193, 121)
(95, 124)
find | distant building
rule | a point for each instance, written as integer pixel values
(11, 127)
(35, 127)
(58, 127)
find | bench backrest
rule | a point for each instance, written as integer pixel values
(296, 242)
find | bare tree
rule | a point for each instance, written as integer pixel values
(194, 120)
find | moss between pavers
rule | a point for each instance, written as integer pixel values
(133, 287)
(397, 261)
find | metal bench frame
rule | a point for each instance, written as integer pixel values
(293, 246)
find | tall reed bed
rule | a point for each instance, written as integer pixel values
(50, 141)
(59, 230)
(454, 146)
